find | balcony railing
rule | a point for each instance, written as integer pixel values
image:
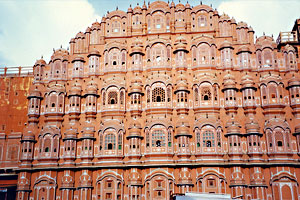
(16, 71)
(285, 37)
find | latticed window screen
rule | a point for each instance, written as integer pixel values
(158, 138)
(169, 139)
(120, 141)
(198, 139)
(169, 94)
(196, 94)
(158, 95)
(122, 98)
(208, 139)
(206, 94)
(148, 95)
(112, 98)
(103, 100)
(110, 141)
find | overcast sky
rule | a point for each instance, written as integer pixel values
(30, 29)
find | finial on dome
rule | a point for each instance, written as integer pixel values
(53, 50)
(117, 8)
(42, 57)
(264, 33)
(200, 2)
(61, 46)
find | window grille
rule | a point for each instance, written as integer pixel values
(110, 141)
(112, 98)
(158, 95)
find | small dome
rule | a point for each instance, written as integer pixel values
(180, 6)
(242, 25)
(185, 177)
(71, 133)
(88, 131)
(88, 30)
(96, 26)
(243, 48)
(252, 127)
(187, 5)
(233, 127)
(136, 86)
(135, 129)
(226, 44)
(28, 133)
(35, 93)
(247, 81)
(60, 54)
(181, 84)
(172, 5)
(180, 44)
(137, 47)
(250, 29)
(78, 58)
(94, 52)
(233, 21)
(294, 81)
(182, 128)
(40, 62)
(80, 35)
(91, 88)
(135, 178)
(129, 10)
(229, 81)
(75, 90)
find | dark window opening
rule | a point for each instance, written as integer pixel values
(279, 143)
(109, 146)
(158, 143)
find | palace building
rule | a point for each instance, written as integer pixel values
(158, 101)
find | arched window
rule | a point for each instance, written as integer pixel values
(110, 141)
(122, 97)
(112, 97)
(196, 95)
(198, 137)
(158, 54)
(202, 21)
(116, 26)
(268, 58)
(158, 94)
(204, 51)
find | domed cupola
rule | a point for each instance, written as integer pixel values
(180, 45)
(182, 128)
(135, 129)
(75, 90)
(137, 47)
(135, 179)
(91, 88)
(185, 177)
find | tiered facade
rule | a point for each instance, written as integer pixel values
(160, 100)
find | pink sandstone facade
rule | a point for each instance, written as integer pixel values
(160, 100)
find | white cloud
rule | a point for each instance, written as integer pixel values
(271, 17)
(31, 28)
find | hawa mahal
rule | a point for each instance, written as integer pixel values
(153, 103)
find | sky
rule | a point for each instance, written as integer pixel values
(30, 29)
